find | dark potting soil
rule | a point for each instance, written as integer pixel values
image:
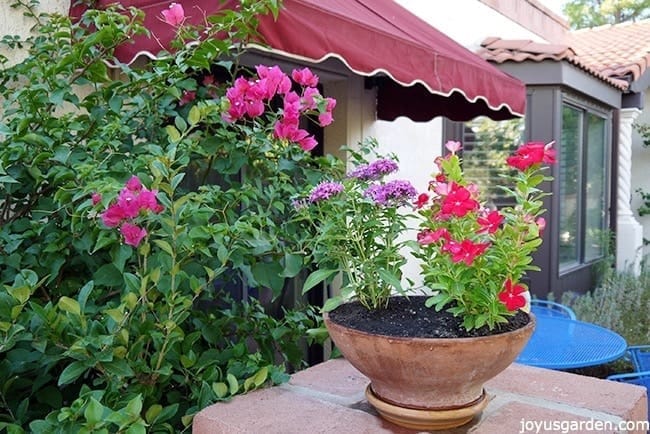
(409, 317)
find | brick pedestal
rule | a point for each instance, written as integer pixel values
(329, 398)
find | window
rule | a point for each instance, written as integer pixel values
(486, 145)
(584, 196)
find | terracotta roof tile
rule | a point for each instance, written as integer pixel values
(620, 51)
(503, 50)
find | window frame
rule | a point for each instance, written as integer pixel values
(587, 108)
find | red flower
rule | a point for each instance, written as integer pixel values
(458, 202)
(422, 200)
(530, 154)
(490, 223)
(465, 251)
(428, 236)
(187, 97)
(513, 295)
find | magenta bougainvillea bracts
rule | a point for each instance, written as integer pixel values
(250, 99)
(133, 201)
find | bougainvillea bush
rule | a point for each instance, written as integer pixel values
(474, 256)
(132, 209)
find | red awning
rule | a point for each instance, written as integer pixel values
(421, 73)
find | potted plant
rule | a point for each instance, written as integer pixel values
(428, 352)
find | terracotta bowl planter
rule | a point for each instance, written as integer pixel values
(428, 383)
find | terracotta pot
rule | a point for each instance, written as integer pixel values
(428, 383)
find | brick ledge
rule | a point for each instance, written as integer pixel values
(329, 398)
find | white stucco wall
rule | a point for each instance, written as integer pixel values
(468, 22)
(640, 164)
(13, 21)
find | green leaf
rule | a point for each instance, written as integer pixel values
(315, 278)
(94, 412)
(134, 407)
(119, 368)
(172, 134)
(71, 373)
(132, 282)
(84, 292)
(391, 279)
(165, 246)
(138, 427)
(220, 389)
(180, 124)
(292, 265)
(232, 383)
(260, 376)
(332, 303)
(69, 305)
(194, 116)
(178, 178)
(152, 413)
(21, 293)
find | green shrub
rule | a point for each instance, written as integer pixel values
(100, 336)
(621, 303)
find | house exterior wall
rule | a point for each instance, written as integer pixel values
(640, 164)
(469, 22)
(13, 22)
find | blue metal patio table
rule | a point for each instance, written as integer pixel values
(563, 343)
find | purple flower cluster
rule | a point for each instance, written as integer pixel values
(392, 192)
(374, 171)
(325, 190)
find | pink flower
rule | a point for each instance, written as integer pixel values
(458, 202)
(147, 200)
(490, 222)
(428, 236)
(174, 15)
(113, 216)
(309, 98)
(133, 184)
(541, 225)
(440, 188)
(304, 77)
(307, 143)
(275, 81)
(132, 234)
(513, 295)
(127, 200)
(453, 146)
(96, 198)
(325, 119)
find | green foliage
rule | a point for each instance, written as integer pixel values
(474, 257)
(621, 303)
(356, 234)
(593, 13)
(98, 336)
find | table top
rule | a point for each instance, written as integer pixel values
(563, 343)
